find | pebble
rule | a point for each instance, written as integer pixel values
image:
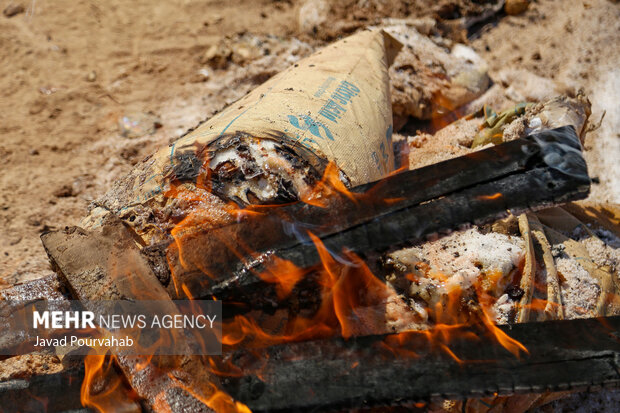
(92, 76)
(217, 56)
(64, 191)
(312, 14)
(200, 76)
(14, 239)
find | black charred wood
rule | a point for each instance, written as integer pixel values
(335, 374)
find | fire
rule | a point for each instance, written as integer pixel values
(352, 301)
(103, 389)
(284, 274)
(496, 195)
(329, 186)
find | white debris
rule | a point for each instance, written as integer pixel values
(580, 290)
(460, 259)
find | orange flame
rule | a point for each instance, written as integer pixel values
(329, 185)
(352, 301)
(112, 395)
(496, 195)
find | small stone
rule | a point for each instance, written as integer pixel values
(514, 7)
(200, 76)
(13, 10)
(242, 53)
(64, 191)
(217, 56)
(92, 76)
(312, 14)
(33, 152)
(33, 220)
(136, 125)
(14, 239)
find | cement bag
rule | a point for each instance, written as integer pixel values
(272, 145)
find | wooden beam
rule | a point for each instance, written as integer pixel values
(360, 372)
(523, 171)
(107, 265)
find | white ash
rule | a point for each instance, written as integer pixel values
(462, 259)
(602, 254)
(505, 309)
(535, 123)
(403, 316)
(465, 253)
(516, 129)
(579, 289)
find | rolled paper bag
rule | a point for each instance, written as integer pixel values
(272, 145)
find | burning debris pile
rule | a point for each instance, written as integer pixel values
(289, 209)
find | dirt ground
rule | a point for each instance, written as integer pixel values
(71, 69)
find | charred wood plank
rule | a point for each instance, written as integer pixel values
(337, 374)
(49, 287)
(14, 298)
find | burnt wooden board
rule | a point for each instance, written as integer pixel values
(538, 170)
(334, 374)
(107, 265)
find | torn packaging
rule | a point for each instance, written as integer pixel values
(272, 145)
